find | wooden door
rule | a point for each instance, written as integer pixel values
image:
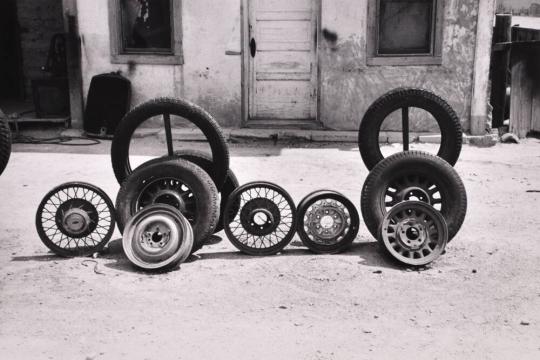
(282, 53)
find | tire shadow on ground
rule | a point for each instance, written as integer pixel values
(367, 253)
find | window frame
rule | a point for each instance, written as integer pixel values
(375, 59)
(175, 57)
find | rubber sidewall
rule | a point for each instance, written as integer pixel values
(191, 112)
(5, 143)
(453, 207)
(446, 117)
(200, 183)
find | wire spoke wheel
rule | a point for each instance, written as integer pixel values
(328, 222)
(75, 219)
(414, 233)
(260, 218)
(158, 237)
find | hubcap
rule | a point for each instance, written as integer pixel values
(76, 221)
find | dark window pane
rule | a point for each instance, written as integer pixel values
(405, 26)
(146, 25)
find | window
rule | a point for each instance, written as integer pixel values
(405, 32)
(145, 31)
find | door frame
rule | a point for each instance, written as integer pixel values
(244, 15)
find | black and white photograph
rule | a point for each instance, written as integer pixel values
(269, 179)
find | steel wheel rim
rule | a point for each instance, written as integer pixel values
(326, 221)
(412, 187)
(280, 229)
(148, 252)
(169, 191)
(75, 219)
(414, 233)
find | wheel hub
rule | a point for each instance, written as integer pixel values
(170, 197)
(76, 221)
(326, 219)
(260, 216)
(77, 218)
(414, 193)
(156, 239)
(411, 234)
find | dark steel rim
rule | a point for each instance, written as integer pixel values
(326, 221)
(75, 219)
(169, 191)
(412, 187)
(414, 233)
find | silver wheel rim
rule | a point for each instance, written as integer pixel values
(156, 237)
(414, 233)
(327, 221)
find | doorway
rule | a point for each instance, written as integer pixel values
(280, 63)
(11, 75)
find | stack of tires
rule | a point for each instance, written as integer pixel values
(168, 207)
(412, 202)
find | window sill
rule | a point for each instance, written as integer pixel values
(404, 60)
(147, 59)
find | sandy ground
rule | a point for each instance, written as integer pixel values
(479, 301)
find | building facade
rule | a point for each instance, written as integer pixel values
(282, 63)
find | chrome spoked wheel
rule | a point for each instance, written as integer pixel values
(75, 219)
(327, 221)
(414, 233)
(157, 238)
(260, 218)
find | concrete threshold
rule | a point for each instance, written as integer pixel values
(248, 134)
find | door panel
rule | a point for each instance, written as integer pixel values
(283, 71)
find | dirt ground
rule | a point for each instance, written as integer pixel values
(481, 300)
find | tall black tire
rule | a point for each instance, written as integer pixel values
(401, 170)
(446, 117)
(5, 143)
(204, 161)
(191, 112)
(204, 191)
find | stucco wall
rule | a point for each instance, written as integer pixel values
(208, 77)
(349, 86)
(212, 79)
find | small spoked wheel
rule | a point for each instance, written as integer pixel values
(260, 218)
(414, 233)
(75, 219)
(328, 222)
(158, 237)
